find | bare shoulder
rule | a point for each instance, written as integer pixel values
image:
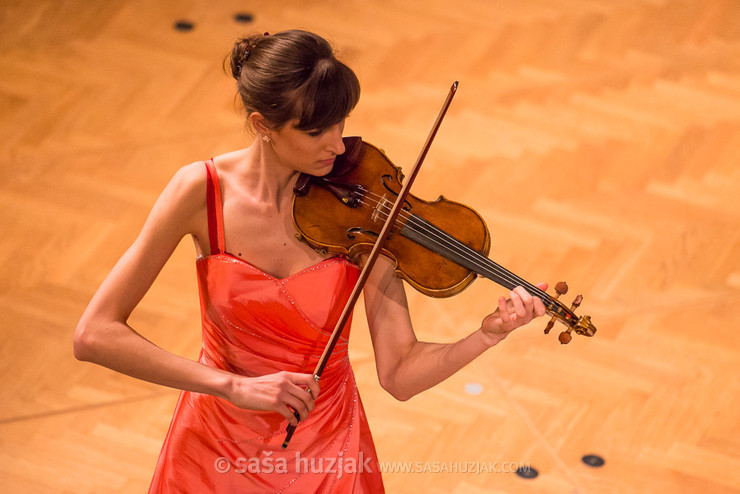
(189, 183)
(182, 202)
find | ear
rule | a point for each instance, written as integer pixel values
(259, 123)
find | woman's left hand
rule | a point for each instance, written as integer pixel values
(517, 311)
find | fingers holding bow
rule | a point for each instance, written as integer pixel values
(290, 394)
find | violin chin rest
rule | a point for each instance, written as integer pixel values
(349, 159)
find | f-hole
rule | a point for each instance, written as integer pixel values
(387, 180)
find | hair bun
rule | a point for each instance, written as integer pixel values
(293, 75)
(240, 53)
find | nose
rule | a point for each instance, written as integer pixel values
(334, 135)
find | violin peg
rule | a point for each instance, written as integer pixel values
(550, 325)
(561, 288)
(577, 302)
(565, 337)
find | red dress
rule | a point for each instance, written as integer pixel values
(255, 324)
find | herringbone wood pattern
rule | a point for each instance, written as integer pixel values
(600, 140)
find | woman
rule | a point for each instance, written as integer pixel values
(269, 302)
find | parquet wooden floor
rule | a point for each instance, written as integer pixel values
(599, 139)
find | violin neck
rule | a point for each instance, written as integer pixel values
(444, 244)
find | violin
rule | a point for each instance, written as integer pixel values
(438, 247)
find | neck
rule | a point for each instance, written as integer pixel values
(267, 179)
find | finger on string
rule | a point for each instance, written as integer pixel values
(539, 306)
(527, 298)
(519, 308)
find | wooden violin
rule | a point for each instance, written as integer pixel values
(438, 247)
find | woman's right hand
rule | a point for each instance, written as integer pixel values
(282, 392)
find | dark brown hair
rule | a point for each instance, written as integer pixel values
(293, 75)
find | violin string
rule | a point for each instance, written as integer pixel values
(475, 260)
(442, 238)
(482, 261)
(422, 228)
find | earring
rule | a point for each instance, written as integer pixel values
(266, 138)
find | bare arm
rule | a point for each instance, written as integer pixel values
(407, 366)
(104, 337)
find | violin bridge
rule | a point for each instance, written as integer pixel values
(381, 210)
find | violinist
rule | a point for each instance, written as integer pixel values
(269, 301)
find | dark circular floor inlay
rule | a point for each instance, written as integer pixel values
(593, 460)
(184, 26)
(243, 17)
(527, 472)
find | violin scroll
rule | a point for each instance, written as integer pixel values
(581, 325)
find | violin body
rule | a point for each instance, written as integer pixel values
(438, 247)
(332, 214)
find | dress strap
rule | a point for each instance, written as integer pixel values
(215, 210)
